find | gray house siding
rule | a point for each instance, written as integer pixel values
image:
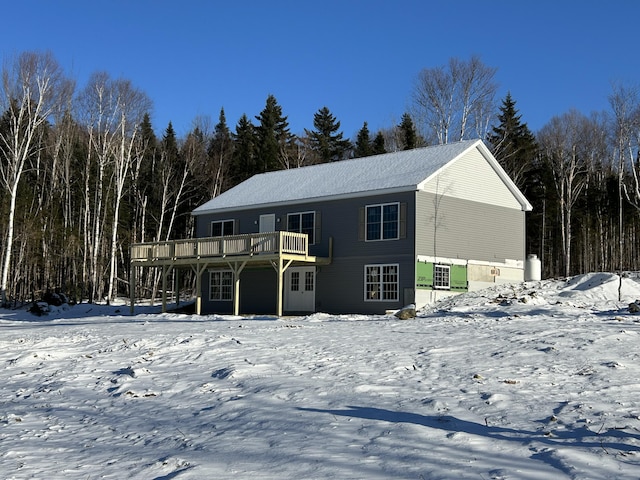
(340, 286)
(468, 230)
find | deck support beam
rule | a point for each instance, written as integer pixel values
(165, 273)
(236, 268)
(280, 266)
(132, 287)
(199, 270)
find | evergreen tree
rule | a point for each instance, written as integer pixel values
(243, 162)
(377, 147)
(408, 134)
(220, 152)
(512, 143)
(169, 144)
(142, 178)
(363, 142)
(272, 135)
(325, 140)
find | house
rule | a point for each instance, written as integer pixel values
(365, 235)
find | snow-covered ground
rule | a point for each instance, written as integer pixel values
(531, 381)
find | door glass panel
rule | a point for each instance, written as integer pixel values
(295, 281)
(308, 281)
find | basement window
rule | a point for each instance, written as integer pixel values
(381, 283)
(441, 277)
(221, 285)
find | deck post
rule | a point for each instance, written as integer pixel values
(280, 286)
(199, 271)
(236, 288)
(132, 286)
(280, 268)
(176, 286)
(165, 272)
(198, 290)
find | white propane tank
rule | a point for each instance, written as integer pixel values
(532, 268)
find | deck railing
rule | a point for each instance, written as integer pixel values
(251, 244)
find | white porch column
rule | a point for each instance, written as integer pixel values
(280, 268)
(166, 269)
(236, 269)
(132, 286)
(199, 271)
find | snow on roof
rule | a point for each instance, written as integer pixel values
(395, 171)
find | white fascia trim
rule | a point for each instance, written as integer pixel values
(443, 260)
(508, 263)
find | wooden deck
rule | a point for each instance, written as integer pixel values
(221, 248)
(278, 249)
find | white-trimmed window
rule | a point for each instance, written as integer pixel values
(222, 228)
(382, 221)
(220, 285)
(304, 222)
(381, 283)
(442, 277)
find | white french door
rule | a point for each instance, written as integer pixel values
(300, 289)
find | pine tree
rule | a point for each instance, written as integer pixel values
(363, 142)
(408, 134)
(273, 135)
(142, 179)
(325, 140)
(377, 147)
(169, 143)
(220, 152)
(243, 163)
(512, 143)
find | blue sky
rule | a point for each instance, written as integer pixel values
(359, 58)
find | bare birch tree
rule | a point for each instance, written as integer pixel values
(132, 104)
(113, 110)
(562, 146)
(98, 107)
(33, 88)
(456, 101)
(626, 138)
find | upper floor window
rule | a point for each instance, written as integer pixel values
(383, 221)
(303, 223)
(222, 228)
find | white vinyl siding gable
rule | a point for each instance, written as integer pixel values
(472, 177)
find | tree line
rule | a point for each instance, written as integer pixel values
(84, 175)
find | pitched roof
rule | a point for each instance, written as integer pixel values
(389, 172)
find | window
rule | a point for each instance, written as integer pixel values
(309, 282)
(441, 277)
(382, 221)
(302, 223)
(295, 281)
(381, 283)
(222, 228)
(221, 285)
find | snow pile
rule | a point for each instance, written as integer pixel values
(529, 381)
